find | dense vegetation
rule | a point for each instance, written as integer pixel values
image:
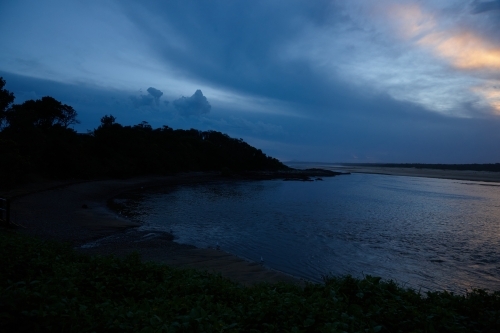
(493, 167)
(35, 139)
(46, 286)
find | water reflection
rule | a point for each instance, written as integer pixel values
(429, 233)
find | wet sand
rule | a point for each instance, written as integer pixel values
(78, 214)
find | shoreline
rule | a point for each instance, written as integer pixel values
(466, 175)
(78, 213)
(57, 212)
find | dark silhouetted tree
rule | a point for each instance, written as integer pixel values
(6, 98)
(107, 121)
(43, 113)
(36, 141)
(35, 136)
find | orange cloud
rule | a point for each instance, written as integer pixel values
(411, 20)
(491, 94)
(462, 49)
(465, 50)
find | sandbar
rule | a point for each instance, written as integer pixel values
(481, 176)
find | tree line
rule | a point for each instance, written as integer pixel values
(36, 141)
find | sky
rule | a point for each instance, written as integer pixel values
(320, 81)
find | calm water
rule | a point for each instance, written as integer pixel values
(427, 233)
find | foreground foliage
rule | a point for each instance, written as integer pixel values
(46, 286)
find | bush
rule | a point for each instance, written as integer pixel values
(46, 287)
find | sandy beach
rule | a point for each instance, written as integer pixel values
(78, 214)
(483, 176)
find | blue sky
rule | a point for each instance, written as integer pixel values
(331, 81)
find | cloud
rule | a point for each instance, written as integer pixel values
(424, 52)
(485, 6)
(464, 45)
(238, 53)
(245, 126)
(491, 93)
(142, 101)
(151, 100)
(461, 42)
(156, 95)
(259, 127)
(195, 105)
(465, 50)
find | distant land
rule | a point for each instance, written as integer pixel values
(492, 167)
(472, 172)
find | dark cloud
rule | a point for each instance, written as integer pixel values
(151, 100)
(195, 105)
(156, 94)
(142, 101)
(490, 19)
(246, 126)
(395, 136)
(245, 47)
(237, 45)
(485, 6)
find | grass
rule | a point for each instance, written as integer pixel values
(48, 287)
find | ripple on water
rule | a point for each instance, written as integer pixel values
(427, 233)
